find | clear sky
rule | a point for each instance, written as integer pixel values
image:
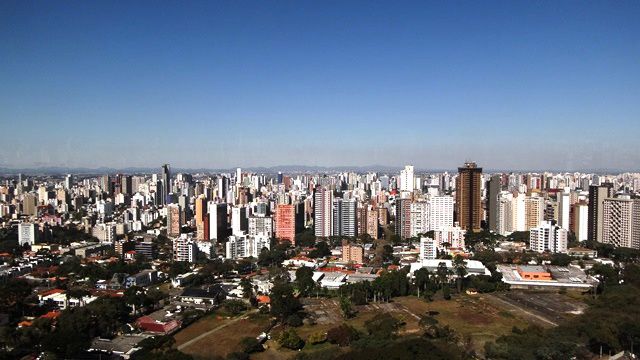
(512, 84)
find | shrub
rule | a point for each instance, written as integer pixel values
(290, 340)
(342, 335)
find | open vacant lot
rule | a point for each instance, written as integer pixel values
(544, 308)
(469, 316)
(214, 336)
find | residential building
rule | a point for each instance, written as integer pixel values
(468, 196)
(286, 223)
(323, 201)
(548, 237)
(597, 194)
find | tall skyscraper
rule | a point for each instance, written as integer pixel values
(534, 211)
(223, 186)
(440, 212)
(419, 217)
(621, 222)
(344, 217)
(323, 199)
(372, 222)
(564, 209)
(495, 186)
(597, 194)
(201, 217)
(581, 223)
(166, 183)
(218, 220)
(403, 218)
(468, 197)
(407, 180)
(68, 181)
(126, 184)
(173, 220)
(286, 222)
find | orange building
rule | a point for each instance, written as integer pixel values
(534, 272)
(352, 253)
(286, 223)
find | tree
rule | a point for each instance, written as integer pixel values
(321, 250)
(561, 259)
(460, 268)
(382, 326)
(247, 287)
(442, 274)
(235, 307)
(304, 280)
(345, 307)
(283, 303)
(342, 335)
(290, 340)
(250, 345)
(421, 279)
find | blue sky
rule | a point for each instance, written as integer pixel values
(513, 84)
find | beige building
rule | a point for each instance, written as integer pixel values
(352, 253)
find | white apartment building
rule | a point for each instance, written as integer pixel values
(419, 217)
(548, 237)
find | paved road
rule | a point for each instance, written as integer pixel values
(204, 335)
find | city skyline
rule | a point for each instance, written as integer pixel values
(219, 85)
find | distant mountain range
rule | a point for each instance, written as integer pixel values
(58, 170)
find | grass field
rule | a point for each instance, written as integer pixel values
(469, 316)
(224, 341)
(473, 317)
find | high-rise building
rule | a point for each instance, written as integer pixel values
(361, 220)
(372, 222)
(344, 217)
(440, 212)
(352, 253)
(419, 218)
(534, 211)
(597, 194)
(495, 186)
(323, 199)
(621, 222)
(185, 248)
(260, 225)
(407, 180)
(223, 185)
(403, 218)
(29, 204)
(548, 237)
(242, 246)
(564, 209)
(239, 221)
(27, 233)
(286, 223)
(173, 220)
(469, 197)
(126, 185)
(428, 248)
(581, 216)
(218, 220)
(201, 217)
(165, 180)
(68, 181)
(452, 235)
